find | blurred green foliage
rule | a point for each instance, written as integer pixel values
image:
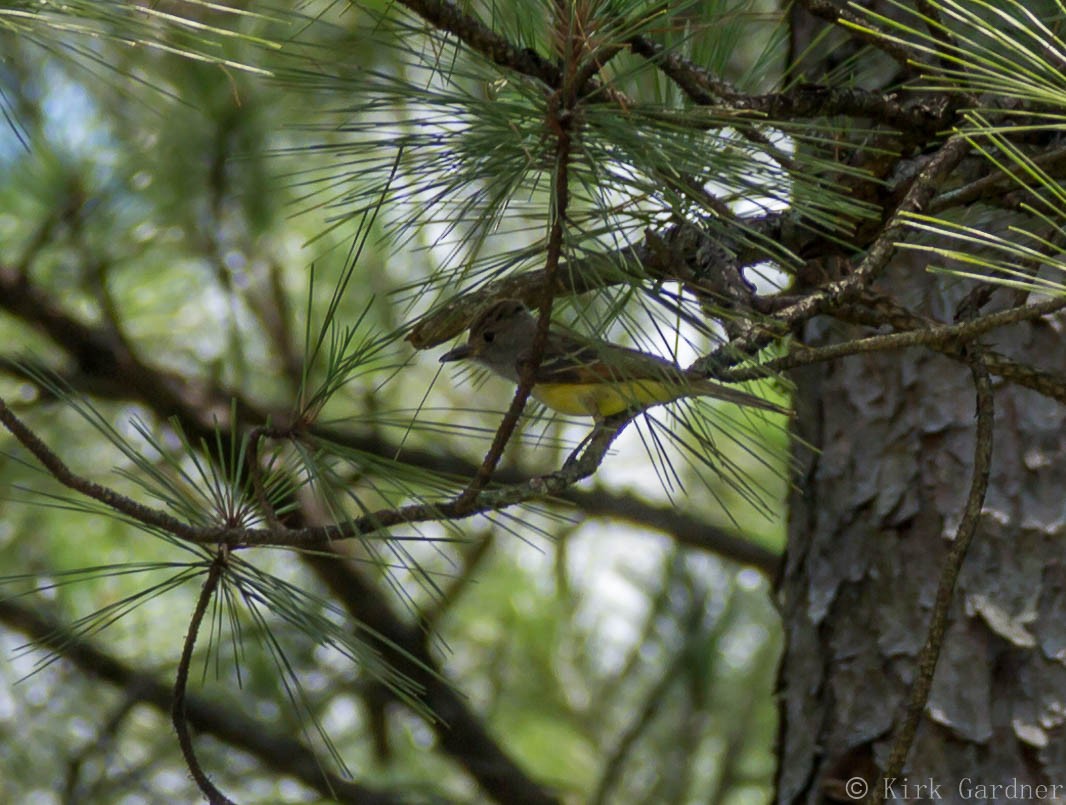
(172, 184)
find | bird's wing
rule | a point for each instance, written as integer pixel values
(577, 361)
(570, 359)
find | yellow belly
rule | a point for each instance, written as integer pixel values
(604, 399)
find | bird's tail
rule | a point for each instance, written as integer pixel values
(708, 388)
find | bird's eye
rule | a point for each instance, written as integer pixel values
(488, 337)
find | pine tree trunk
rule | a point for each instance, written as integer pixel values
(872, 518)
(871, 522)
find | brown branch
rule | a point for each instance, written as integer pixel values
(862, 28)
(278, 751)
(1050, 385)
(815, 101)
(446, 16)
(581, 463)
(800, 102)
(938, 337)
(698, 84)
(120, 503)
(560, 114)
(460, 732)
(872, 264)
(181, 682)
(994, 183)
(685, 529)
(971, 516)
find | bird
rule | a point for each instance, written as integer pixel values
(580, 376)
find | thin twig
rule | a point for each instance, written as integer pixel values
(931, 336)
(696, 82)
(255, 473)
(873, 263)
(560, 120)
(1050, 385)
(796, 103)
(927, 657)
(181, 682)
(582, 463)
(994, 183)
(446, 16)
(862, 28)
(109, 497)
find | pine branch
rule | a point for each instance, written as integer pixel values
(277, 751)
(582, 463)
(178, 711)
(447, 17)
(873, 262)
(860, 28)
(945, 337)
(803, 101)
(560, 121)
(461, 733)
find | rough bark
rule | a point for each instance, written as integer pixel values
(873, 516)
(871, 522)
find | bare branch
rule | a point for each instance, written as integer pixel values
(181, 682)
(796, 103)
(943, 337)
(872, 264)
(971, 517)
(446, 16)
(276, 750)
(560, 121)
(861, 28)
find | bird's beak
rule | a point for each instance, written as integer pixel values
(461, 352)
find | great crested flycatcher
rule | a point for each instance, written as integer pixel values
(580, 376)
